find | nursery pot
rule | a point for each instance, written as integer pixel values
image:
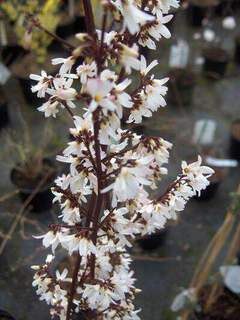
(11, 53)
(225, 306)
(4, 315)
(75, 25)
(26, 84)
(4, 116)
(43, 198)
(79, 25)
(196, 14)
(216, 61)
(153, 241)
(212, 188)
(234, 149)
(198, 10)
(181, 88)
(237, 50)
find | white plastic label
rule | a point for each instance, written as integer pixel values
(204, 132)
(4, 74)
(179, 55)
(229, 163)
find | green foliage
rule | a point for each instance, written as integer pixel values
(47, 13)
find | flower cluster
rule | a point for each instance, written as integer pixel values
(105, 199)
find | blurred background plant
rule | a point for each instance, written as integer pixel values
(46, 11)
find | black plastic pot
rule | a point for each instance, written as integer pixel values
(79, 25)
(43, 199)
(209, 192)
(181, 87)
(76, 25)
(4, 116)
(11, 53)
(31, 98)
(237, 51)
(4, 315)
(153, 241)
(234, 147)
(196, 14)
(215, 64)
(227, 7)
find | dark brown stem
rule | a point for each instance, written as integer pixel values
(89, 18)
(100, 53)
(73, 286)
(38, 25)
(99, 203)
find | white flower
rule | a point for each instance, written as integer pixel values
(231, 277)
(129, 180)
(159, 30)
(86, 71)
(182, 298)
(165, 5)
(43, 84)
(49, 108)
(229, 23)
(155, 93)
(144, 69)
(62, 276)
(198, 175)
(129, 58)
(51, 238)
(66, 63)
(98, 297)
(100, 92)
(133, 17)
(79, 243)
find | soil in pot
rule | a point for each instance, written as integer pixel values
(225, 307)
(216, 61)
(4, 315)
(234, 148)
(181, 88)
(215, 182)
(4, 116)
(12, 53)
(237, 50)
(26, 185)
(153, 241)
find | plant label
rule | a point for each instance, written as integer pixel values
(179, 55)
(204, 132)
(4, 74)
(228, 163)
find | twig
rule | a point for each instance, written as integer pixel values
(21, 212)
(38, 25)
(9, 195)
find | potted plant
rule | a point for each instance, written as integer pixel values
(153, 241)
(11, 53)
(181, 87)
(105, 198)
(234, 149)
(215, 295)
(237, 50)
(31, 172)
(4, 116)
(4, 315)
(198, 10)
(215, 62)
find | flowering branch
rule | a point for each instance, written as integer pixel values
(105, 199)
